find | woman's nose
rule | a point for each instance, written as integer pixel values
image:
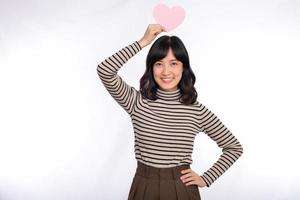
(165, 70)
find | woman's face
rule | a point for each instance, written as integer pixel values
(167, 72)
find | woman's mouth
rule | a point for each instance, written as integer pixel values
(167, 80)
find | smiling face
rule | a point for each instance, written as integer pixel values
(167, 72)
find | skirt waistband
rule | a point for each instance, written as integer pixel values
(160, 173)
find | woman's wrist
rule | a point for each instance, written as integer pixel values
(142, 43)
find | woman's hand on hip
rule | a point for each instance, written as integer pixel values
(192, 178)
(152, 31)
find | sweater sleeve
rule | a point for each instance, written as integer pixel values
(124, 94)
(231, 147)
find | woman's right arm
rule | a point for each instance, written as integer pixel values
(107, 70)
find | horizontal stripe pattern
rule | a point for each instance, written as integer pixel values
(165, 129)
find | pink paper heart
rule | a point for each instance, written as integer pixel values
(169, 18)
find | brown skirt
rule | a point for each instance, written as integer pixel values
(150, 183)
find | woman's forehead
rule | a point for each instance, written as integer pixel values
(170, 56)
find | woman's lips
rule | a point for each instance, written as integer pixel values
(167, 80)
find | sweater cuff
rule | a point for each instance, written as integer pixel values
(138, 44)
(206, 180)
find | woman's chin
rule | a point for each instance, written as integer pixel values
(168, 88)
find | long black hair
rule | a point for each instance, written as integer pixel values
(158, 51)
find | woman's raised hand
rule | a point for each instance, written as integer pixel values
(152, 31)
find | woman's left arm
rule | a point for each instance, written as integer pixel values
(231, 148)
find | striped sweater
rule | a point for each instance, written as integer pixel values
(165, 129)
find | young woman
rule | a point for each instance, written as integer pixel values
(166, 118)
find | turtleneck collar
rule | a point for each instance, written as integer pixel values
(168, 95)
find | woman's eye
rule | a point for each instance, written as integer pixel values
(158, 64)
(174, 64)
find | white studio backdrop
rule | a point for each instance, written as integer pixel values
(62, 136)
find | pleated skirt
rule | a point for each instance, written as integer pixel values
(150, 183)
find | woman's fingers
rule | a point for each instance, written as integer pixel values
(188, 176)
(185, 180)
(156, 29)
(163, 29)
(186, 170)
(191, 183)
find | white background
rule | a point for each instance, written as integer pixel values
(62, 136)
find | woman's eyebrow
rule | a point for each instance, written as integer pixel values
(169, 60)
